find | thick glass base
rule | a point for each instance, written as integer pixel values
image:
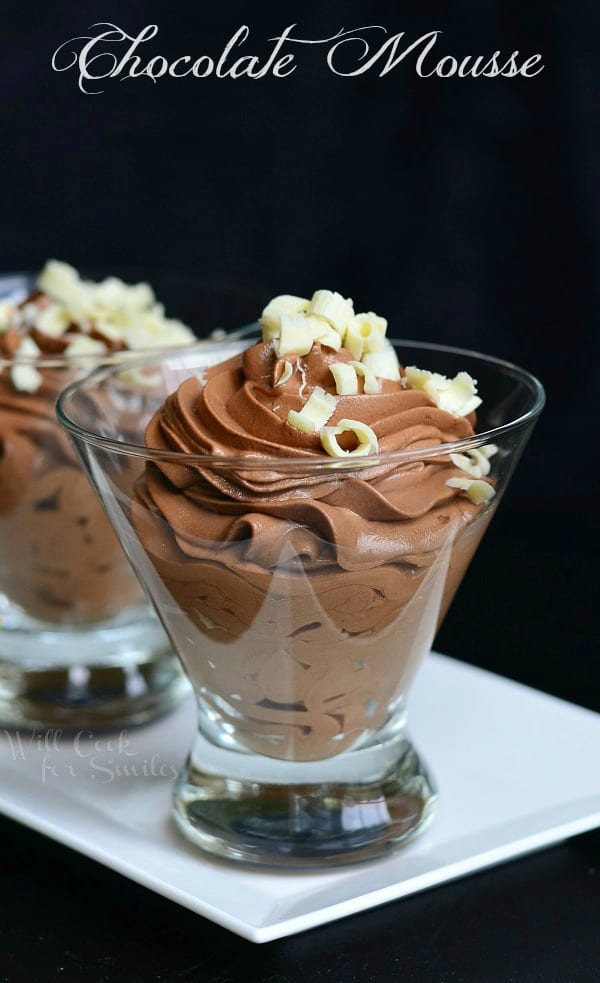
(255, 810)
(109, 675)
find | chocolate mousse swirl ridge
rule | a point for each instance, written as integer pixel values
(370, 516)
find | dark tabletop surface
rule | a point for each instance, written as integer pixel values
(534, 920)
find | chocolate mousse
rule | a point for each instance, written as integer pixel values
(60, 561)
(315, 563)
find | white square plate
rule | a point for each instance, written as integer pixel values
(517, 770)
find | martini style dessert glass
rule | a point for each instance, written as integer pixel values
(79, 643)
(301, 511)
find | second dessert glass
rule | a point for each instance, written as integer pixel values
(301, 628)
(80, 646)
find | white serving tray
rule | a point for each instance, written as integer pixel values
(517, 770)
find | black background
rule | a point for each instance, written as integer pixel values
(467, 212)
(464, 210)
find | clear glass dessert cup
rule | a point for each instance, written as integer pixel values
(80, 645)
(300, 643)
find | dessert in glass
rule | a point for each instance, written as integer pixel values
(301, 513)
(79, 644)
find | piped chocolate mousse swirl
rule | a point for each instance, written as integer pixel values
(327, 515)
(315, 575)
(28, 394)
(60, 559)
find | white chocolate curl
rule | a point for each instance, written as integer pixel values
(53, 320)
(315, 412)
(82, 345)
(6, 314)
(297, 332)
(456, 396)
(365, 333)
(325, 334)
(142, 380)
(345, 378)
(291, 322)
(475, 462)
(334, 308)
(384, 364)
(26, 378)
(367, 439)
(478, 491)
(295, 337)
(119, 311)
(285, 375)
(370, 385)
(284, 304)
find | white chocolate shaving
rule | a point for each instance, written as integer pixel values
(27, 349)
(334, 308)
(52, 320)
(383, 364)
(488, 450)
(123, 312)
(82, 345)
(345, 378)
(270, 319)
(60, 281)
(294, 324)
(367, 439)
(456, 396)
(141, 379)
(315, 413)
(6, 314)
(477, 490)
(475, 462)
(323, 333)
(365, 333)
(26, 313)
(108, 331)
(286, 374)
(26, 378)
(370, 385)
(295, 337)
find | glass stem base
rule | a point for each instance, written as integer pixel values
(103, 678)
(325, 821)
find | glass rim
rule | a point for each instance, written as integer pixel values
(102, 360)
(309, 461)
